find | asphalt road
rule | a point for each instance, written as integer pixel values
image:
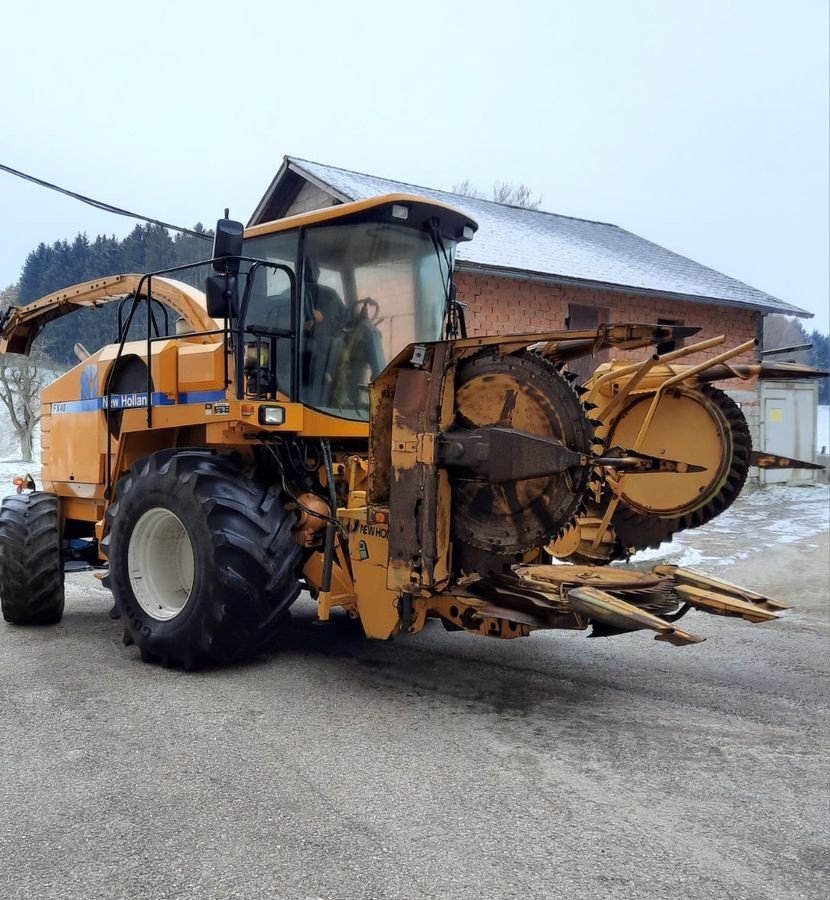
(442, 765)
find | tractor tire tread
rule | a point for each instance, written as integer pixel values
(31, 564)
(252, 558)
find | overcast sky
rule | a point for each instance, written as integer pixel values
(702, 126)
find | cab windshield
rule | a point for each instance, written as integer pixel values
(366, 290)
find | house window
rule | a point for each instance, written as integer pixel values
(581, 317)
(668, 346)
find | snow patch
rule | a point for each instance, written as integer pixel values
(10, 463)
(759, 520)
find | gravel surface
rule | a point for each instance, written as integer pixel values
(440, 765)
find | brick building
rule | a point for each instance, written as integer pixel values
(530, 270)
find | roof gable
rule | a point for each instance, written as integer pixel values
(516, 240)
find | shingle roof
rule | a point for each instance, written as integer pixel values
(513, 239)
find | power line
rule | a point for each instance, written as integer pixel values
(99, 204)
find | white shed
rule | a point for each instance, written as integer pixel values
(788, 427)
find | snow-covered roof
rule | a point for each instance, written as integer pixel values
(515, 240)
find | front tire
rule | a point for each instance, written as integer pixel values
(202, 559)
(31, 564)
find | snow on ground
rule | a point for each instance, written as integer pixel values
(10, 464)
(761, 519)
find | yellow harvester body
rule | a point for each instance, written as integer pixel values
(316, 418)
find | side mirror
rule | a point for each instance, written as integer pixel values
(221, 296)
(227, 242)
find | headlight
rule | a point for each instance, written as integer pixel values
(271, 415)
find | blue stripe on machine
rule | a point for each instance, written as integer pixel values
(201, 397)
(136, 400)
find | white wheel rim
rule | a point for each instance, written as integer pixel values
(160, 564)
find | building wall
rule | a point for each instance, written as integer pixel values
(504, 305)
(310, 198)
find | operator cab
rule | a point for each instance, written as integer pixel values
(339, 293)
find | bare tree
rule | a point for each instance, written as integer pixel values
(9, 296)
(468, 189)
(785, 331)
(502, 192)
(21, 380)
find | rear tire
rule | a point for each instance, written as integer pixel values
(31, 565)
(202, 559)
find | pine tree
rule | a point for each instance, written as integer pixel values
(146, 248)
(31, 279)
(820, 358)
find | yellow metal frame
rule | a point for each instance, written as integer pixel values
(627, 379)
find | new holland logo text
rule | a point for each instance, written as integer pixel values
(125, 401)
